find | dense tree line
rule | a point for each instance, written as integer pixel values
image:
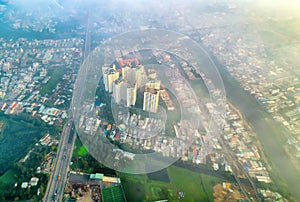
(20, 134)
(90, 165)
(23, 172)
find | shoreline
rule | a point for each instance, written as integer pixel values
(256, 142)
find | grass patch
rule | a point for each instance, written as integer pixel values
(56, 75)
(134, 186)
(161, 175)
(82, 151)
(196, 186)
(113, 194)
(7, 178)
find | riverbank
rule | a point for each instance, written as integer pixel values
(257, 143)
(269, 133)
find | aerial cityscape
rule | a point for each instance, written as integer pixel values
(138, 100)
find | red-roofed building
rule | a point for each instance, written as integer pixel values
(234, 139)
(195, 152)
(117, 135)
(122, 62)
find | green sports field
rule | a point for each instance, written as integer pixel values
(195, 186)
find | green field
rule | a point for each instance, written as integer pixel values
(7, 178)
(113, 193)
(80, 149)
(56, 75)
(196, 186)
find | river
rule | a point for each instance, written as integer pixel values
(271, 134)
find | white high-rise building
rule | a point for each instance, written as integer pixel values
(151, 98)
(129, 74)
(109, 76)
(131, 95)
(124, 93)
(141, 77)
(120, 91)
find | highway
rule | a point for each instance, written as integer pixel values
(57, 181)
(58, 178)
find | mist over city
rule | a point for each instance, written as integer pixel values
(135, 100)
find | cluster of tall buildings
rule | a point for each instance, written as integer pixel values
(124, 83)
